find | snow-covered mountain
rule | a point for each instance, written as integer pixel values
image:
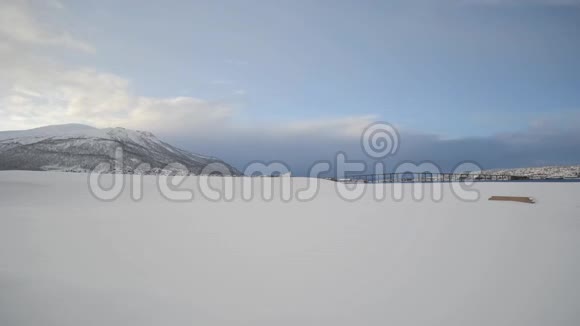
(81, 148)
(572, 171)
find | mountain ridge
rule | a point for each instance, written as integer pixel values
(82, 148)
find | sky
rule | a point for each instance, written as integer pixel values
(496, 82)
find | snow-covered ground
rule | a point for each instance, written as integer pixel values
(69, 259)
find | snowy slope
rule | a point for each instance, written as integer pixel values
(67, 259)
(81, 148)
(572, 171)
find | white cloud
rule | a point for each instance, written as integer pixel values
(37, 91)
(18, 24)
(58, 94)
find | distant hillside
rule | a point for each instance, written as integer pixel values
(572, 171)
(80, 148)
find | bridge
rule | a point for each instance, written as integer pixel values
(436, 177)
